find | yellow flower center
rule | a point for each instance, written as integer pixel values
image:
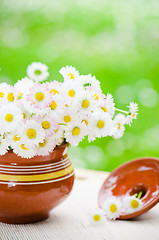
(85, 104)
(24, 115)
(133, 115)
(96, 96)
(66, 105)
(1, 95)
(23, 147)
(53, 105)
(10, 97)
(16, 138)
(134, 204)
(100, 124)
(71, 93)
(67, 119)
(31, 133)
(96, 217)
(113, 208)
(119, 125)
(104, 109)
(71, 76)
(9, 117)
(54, 91)
(86, 122)
(42, 144)
(46, 124)
(76, 131)
(39, 96)
(20, 95)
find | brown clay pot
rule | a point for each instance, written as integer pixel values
(30, 188)
(130, 178)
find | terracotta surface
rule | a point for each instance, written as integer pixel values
(130, 178)
(30, 188)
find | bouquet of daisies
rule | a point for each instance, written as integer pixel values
(37, 116)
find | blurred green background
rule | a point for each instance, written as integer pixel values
(117, 41)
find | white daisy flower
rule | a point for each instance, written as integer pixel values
(31, 133)
(12, 138)
(38, 96)
(65, 117)
(57, 105)
(3, 146)
(108, 105)
(26, 111)
(133, 108)
(46, 147)
(10, 117)
(85, 118)
(75, 132)
(100, 125)
(132, 204)
(88, 80)
(11, 95)
(23, 85)
(37, 100)
(112, 208)
(22, 151)
(68, 115)
(96, 217)
(70, 91)
(96, 94)
(54, 87)
(69, 73)
(49, 124)
(29, 110)
(37, 71)
(85, 103)
(119, 127)
(58, 136)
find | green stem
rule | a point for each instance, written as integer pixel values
(140, 195)
(122, 111)
(62, 124)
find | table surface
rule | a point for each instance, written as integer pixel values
(69, 220)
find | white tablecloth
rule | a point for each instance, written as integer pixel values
(69, 220)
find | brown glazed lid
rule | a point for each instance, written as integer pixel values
(130, 178)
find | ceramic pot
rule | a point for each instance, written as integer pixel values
(30, 188)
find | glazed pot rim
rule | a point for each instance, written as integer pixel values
(12, 159)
